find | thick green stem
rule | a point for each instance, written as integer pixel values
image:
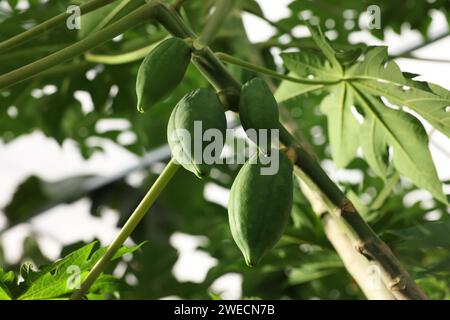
(122, 58)
(66, 69)
(140, 211)
(111, 15)
(177, 5)
(214, 23)
(170, 19)
(136, 17)
(50, 24)
(385, 192)
(212, 69)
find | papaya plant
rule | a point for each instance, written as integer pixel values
(184, 73)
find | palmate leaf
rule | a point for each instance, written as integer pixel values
(46, 285)
(361, 87)
(52, 281)
(385, 79)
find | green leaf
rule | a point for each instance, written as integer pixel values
(53, 281)
(290, 90)
(54, 284)
(376, 66)
(374, 78)
(409, 141)
(428, 105)
(383, 78)
(310, 64)
(7, 277)
(253, 7)
(4, 292)
(374, 145)
(348, 57)
(8, 283)
(120, 253)
(106, 283)
(324, 265)
(325, 47)
(342, 125)
(430, 235)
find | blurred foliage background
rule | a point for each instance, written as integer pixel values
(303, 265)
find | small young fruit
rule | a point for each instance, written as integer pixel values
(198, 116)
(161, 72)
(260, 206)
(258, 110)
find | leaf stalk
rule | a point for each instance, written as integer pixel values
(131, 224)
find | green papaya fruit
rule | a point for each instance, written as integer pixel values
(258, 110)
(196, 114)
(161, 72)
(259, 207)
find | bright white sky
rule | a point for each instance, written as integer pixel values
(35, 154)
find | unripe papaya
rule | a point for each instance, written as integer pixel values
(259, 207)
(161, 72)
(198, 116)
(258, 110)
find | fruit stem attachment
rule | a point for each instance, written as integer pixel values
(140, 211)
(214, 23)
(50, 24)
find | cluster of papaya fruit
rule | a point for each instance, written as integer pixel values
(259, 205)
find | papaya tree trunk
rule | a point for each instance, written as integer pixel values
(360, 268)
